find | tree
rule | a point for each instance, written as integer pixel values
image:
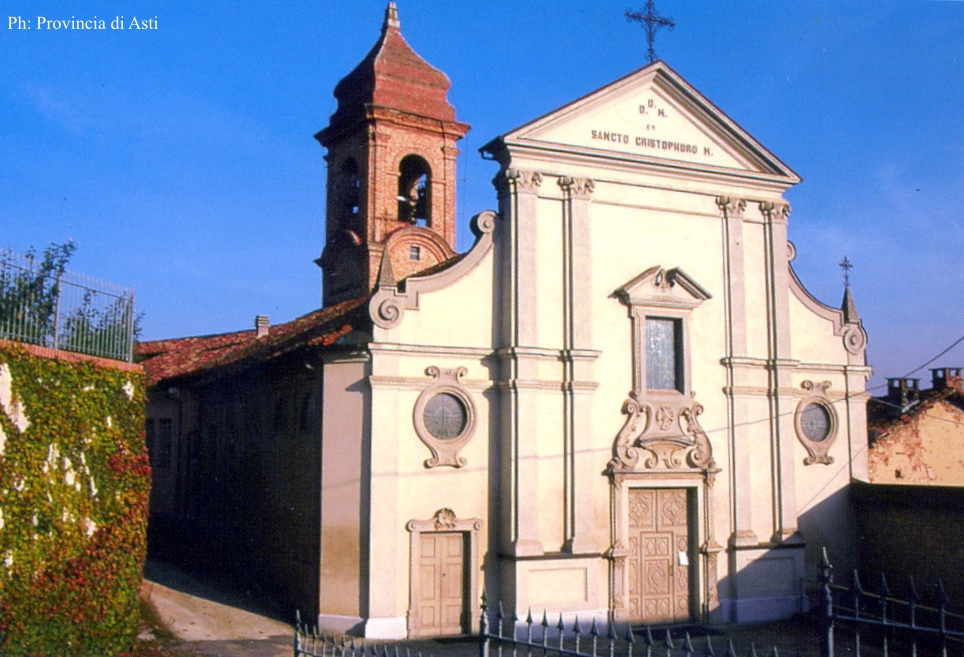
(29, 295)
(35, 309)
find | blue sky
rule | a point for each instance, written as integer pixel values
(182, 159)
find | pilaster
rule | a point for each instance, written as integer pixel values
(780, 369)
(577, 327)
(734, 276)
(518, 195)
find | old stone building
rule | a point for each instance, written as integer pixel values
(620, 403)
(917, 436)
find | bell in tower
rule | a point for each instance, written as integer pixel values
(391, 169)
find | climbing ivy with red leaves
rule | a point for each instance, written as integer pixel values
(74, 487)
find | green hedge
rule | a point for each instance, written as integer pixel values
(74, 487)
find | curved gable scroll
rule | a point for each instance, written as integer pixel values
(390, 301)
(662, 431)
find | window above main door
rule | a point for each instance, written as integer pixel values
(661, 432)
(660, 302)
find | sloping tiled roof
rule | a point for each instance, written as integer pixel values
(393, 75)
(165, 360)
(883, 417)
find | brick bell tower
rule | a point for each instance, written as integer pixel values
(391, 170)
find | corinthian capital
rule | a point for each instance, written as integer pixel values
(519, 180)
(730, 205)
(581, 188)
(775, 211)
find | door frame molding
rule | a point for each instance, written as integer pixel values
(444, 522)
(703, 593)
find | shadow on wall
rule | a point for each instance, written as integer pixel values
(911, 531)
(779, 580)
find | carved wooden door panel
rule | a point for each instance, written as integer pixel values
(659, 543)
(441, 584)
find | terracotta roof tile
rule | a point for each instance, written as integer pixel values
(882, 416)
(164, 360)
(393, 75)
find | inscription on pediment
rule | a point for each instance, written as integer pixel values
(645, 122)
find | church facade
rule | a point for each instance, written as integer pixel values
(620, 403)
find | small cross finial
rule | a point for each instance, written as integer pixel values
(846, 266)
(653, 22)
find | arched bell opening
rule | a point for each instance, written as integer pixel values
(415, 191)
(349, 189)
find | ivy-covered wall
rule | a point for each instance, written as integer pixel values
(74, 487)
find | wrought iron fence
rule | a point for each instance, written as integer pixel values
(64, 310)
(510, 636)
(846, 621)
(890, 624)
(312, 643)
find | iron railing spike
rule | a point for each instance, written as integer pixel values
(688, 643)
(611, 633)
(708, 650)
(501, 615)
(561, 626)
(575, 626)
(730, 650)
(649, 637)
(593, 629)
(884, 589)
(857, 587)
(630, 637)
(941, 593)
(668, 640)
(914, 596)
(774, 652)
(529, 620)
(545, 620)
(825, 560)
(753, 649)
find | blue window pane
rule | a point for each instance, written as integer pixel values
(662, 354)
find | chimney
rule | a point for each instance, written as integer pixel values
(261, 326)
(905, 392)
(947, 377)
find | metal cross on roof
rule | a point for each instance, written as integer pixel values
(653, 22)
(846, 265)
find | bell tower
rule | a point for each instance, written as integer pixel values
(391, 169)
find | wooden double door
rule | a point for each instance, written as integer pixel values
(661, 547)
(442, 584)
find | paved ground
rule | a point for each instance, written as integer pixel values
(211, 620)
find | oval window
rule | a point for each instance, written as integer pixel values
(815, 422)
(445, 416)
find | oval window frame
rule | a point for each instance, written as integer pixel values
(445, 451)
(817, 450)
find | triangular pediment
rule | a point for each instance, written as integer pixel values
(662, 288)
(653, 115)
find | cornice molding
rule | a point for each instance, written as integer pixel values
(388, 305)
